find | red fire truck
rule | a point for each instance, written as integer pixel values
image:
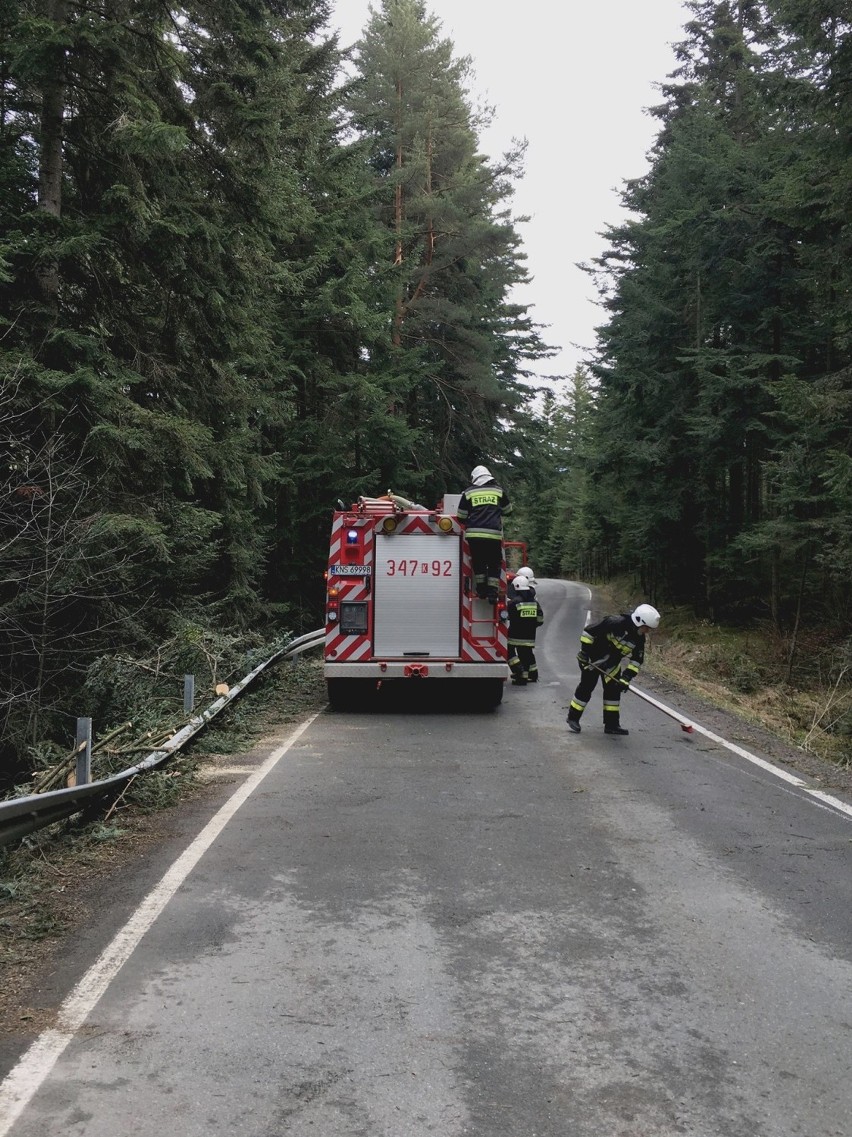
(401, 606)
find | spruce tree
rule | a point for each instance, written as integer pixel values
(141, 307)
(458, 345)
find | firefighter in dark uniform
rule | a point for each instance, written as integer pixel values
(603, 648)
(480, 512)
(525, 617)
(526, 571)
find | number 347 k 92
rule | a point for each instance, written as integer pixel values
(419, 568)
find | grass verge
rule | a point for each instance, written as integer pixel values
(747, 670)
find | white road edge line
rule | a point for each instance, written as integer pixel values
(793, 779)
(22, 1082)
(825, 798)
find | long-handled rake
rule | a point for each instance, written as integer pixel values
(685, 724)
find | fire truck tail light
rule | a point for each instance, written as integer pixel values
(334, 592)
(352, 537)
(445, 524)
(332, 617)
(389, 524)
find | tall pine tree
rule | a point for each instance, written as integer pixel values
(452, 256)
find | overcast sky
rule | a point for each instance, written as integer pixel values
(573, 77)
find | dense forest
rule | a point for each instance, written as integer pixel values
(708, 444)
(244, 273)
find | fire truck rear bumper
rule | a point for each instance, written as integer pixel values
(416, 669)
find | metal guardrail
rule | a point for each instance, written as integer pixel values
(23, 815)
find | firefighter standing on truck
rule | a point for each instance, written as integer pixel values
(526, 615)
(603, 647)
(480, 513)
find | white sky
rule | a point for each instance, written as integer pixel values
(573, 77)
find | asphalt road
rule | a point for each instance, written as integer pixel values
(441, 923)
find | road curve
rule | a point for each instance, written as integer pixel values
(415, 922)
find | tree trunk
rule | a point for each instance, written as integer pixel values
(398, 216)
(50, 164)
(791, 654)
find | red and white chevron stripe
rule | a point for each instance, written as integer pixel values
(483, 638)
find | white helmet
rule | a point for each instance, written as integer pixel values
(645, 616)
(521, 584)
(533, 583)
(526, 571)
(480, 475)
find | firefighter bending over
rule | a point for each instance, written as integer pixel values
(603, 646)
(480, 513)
(525, 617)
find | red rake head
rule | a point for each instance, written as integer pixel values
(687, 727)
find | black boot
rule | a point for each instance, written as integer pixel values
(615, 730)
(573, 724)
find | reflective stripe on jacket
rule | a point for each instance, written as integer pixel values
(481, 510)
(612, 640)
(525, 617)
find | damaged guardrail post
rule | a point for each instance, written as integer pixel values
(83, 750)
(188, 694)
